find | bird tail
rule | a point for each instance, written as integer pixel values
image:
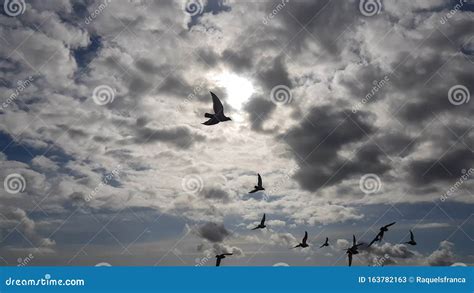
(207, 115)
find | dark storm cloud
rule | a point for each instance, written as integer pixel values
(448, 167)
(213, 232)
(318, 140)
(274, 74)
(238, 60)
(259, 110)
(325, 20)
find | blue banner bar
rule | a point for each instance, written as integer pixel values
(237, 279)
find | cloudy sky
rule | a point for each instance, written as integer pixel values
(355, 113)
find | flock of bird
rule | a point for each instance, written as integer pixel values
(219, 116)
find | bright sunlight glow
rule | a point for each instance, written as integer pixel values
(239, 89)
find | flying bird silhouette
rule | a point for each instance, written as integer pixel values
(353, 249)
(379, 236)
(259, 185)
(219, 257)
(303, 244)
(412, 239)
(325, 243)
(262, 224)
(218, 115)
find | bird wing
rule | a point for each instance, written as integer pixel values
(211, 121)
(380, 235)
(218, 262)
(386, 226)
(350, 258)
(259, 180)
(263, 220)
(354, 240)
(412, 238)
(321, 246)
(253, 191)
(375, 239)
(305, 236)
(327, 239)
(216, 104)
(255, 228)
(227, 254)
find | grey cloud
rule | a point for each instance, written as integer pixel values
(259, 110)
(443, 256)
(180, 136)
(213, 232)
(320, 137)
(215, 193)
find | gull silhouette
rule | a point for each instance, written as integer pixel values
(262, 224)
(218, 115)
(219, 257)
(325, 243)
(412, 239)
(259, 186)
(353, 249)
(379, 236)
(303, 244)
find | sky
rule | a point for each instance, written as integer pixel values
(355, 113)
